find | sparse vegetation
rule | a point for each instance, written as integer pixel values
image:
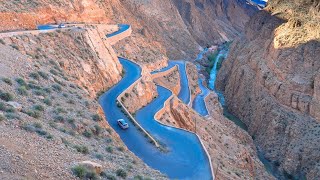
(34, 114)
(109, 149)
(121, 173)
(56, 87)
(39, 92)
(99, 156)
(7, 80)
(212, 59)
(96, 117)
(37, 127)
(43, 75)
(21, 82)
(82, 149)
(22, 90)
(47, 101)
(121, 149)
(12, 116)
(87, 133)
(34, 75)
(38, 107)
(59, 118)
(6, 96)
(79, 171)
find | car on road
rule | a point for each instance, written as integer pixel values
(61, 25)
(123, 124)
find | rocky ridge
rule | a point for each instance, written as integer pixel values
(270, 81)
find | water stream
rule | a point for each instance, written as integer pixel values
(269, 166)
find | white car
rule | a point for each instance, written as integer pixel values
(123, 124)
(61, 25)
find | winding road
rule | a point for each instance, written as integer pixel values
(185, 157)
(184, 94)
(199, 104)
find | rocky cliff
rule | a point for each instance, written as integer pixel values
(271, 81)
(171, 27)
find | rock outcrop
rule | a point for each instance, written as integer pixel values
(184, 25)
(232, 151)
(169, 79)
(271, 81)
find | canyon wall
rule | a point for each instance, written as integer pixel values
(271, 82)
(166, 28)
(232, 151)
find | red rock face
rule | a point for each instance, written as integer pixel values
(179, 27)
(271, 81)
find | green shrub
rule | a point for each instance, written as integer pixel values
(70, 120)
(60, 110)
(79, 171)
(82, 149)
(138, 177)
(54, 72)
(34, 114)
(109, 149)
(96, 117)
(47, 90)
(39, 92)
(87, 133)
(38, 107)
(84, 173)
(7, 80)
(21, 82)
(97, 130)
(56, 87)
(49, 136)
(99, 156)
(34, 75)
(121, 149)
(47, 101)
(59, 118)
(6, 96)
(10, 110)
(37, 125)
(22, 90)
(91, 175)
(2, 106)
(110, 177)
(121, 173)
(43, 75)
(32, 85)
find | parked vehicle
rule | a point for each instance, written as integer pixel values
(123, 124)
(61, 25)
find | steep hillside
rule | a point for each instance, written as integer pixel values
(271, 81)
(171, 27)
(49, 117)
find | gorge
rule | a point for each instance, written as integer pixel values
(210, 89)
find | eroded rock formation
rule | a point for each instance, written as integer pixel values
(271, 81)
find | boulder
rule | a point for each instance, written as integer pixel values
(92, 166)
